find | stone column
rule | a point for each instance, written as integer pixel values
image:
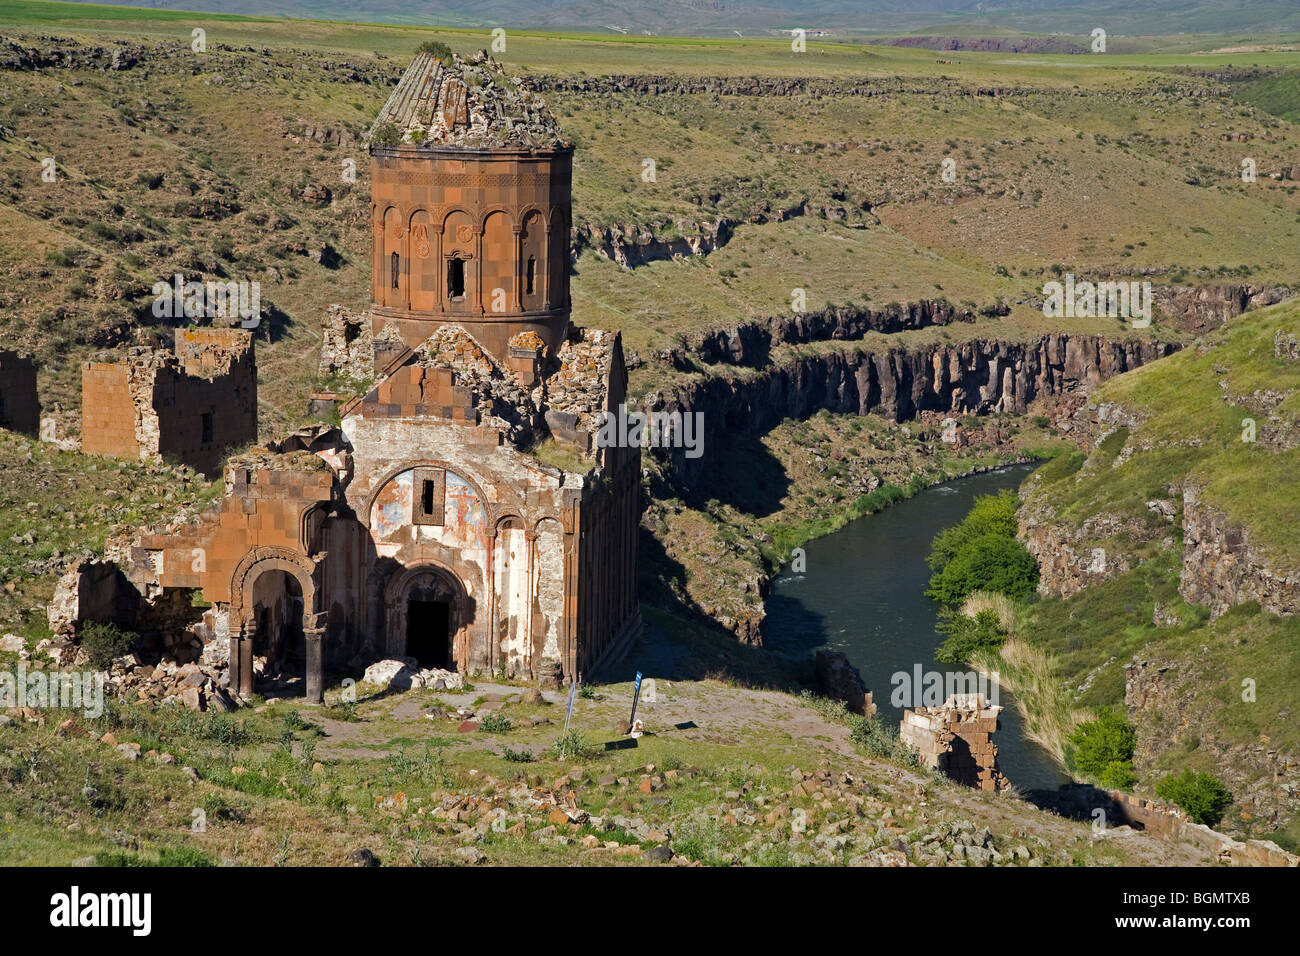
(236, 647)
(247, 633)
(315, 667)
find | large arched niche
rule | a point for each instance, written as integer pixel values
(405, 497)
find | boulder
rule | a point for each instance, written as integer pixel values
(392, 674)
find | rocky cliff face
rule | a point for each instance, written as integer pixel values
(1221, 568)
(1202, 308)
(1161, 699)
(635, 244)
(967, 378)
(749, 344)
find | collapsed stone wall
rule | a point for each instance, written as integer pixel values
(20, 407)
(1081, 801)
(957, 739)
(190, 405)
(347, 345)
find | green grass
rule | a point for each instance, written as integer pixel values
(1192, 434)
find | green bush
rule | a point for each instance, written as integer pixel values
(1103, 748)
(1118, 775)
(989, 562)
(439, 50)
(572, 746)
(386, 134)
(103, 641)
(495, 724)
(967, 635)
(990, 514)
(982, 554)
(1201, 795)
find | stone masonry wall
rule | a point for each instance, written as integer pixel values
(190, 406)
(957, 739)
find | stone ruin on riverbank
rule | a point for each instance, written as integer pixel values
(957, 739)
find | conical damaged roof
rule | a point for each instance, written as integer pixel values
(472, 103)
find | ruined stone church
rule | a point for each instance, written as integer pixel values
(460, 513)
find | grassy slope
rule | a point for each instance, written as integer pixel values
(1194, 405)
(1192, 433)
(279, 788)
(1047, 178)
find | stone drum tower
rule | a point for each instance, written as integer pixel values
(471, 208)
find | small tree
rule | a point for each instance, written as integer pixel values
(989, 562)
(1103, 748)
(1200, 795)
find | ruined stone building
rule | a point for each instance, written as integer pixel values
(191, 406)
(957, 739)
(460, 513)
(20, 409)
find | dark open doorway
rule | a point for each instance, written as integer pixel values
(428, 633)
(279, 637)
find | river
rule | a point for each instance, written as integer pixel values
(862, 593)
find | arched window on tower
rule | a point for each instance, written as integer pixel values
(532, 271)
(396, 261)
(456, 278)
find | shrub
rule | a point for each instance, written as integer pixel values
(386, 134)
(989, 562)
(1101, 744)
(103, 641)
(967, 635)
(495, 724)
(1118, 775)
(516, 756)
(1200, 795)
(991, 514)
(439, 50)
(572, 746)
(982, 554)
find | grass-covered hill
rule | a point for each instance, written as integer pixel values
(825, 168)
(829, 173)
(1190, 623)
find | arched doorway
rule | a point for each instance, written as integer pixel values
(427, 614)
(279, 636)
(274, 594)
